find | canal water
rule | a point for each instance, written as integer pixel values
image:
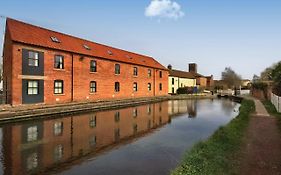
(148, 139)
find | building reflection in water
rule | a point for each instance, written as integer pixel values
(177, 107)
(40, 146)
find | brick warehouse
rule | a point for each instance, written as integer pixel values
(48, 67)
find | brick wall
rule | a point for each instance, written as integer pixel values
(105, 78)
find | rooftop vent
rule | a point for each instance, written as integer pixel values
(55, 39)
(86, 47)
(109, 52)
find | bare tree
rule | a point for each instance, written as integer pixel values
(231, 78)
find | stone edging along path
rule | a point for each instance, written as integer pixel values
(27, 112)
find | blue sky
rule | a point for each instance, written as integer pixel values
(242, 34)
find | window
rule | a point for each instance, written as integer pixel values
(135, 86)
(149, 110)
(33, 58)
(93, 121)
(160, 74)
(32, 87)
(117, 134)
(55, 39)
(32, 161)
(58, 87)
(58, 128)
(32, 133)
(58, 153)
(160, 86)
(93, 86)
(173, 81)
(93, 66)
(135, 71)
(117, 87)
(59, 62)
(93, 141)
(117, 116)
(117, 68)
(86, 47)
(135, 112)
(149, 72)
(149, 86)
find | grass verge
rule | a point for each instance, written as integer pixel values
(272, 111)
(217, 154)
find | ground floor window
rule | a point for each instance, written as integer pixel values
(117, 86)
(160, 86)
(32, 87)
(58, 87)
(135, 86)
(149, 86)
(93, 86)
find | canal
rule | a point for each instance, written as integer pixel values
(148, 139)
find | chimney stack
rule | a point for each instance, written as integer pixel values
(169, 67)
(192, 67)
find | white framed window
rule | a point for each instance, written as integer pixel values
(93, 86)
(135, 87)
(149, 86)
(33, 58)
(32, 87)
(58, 153)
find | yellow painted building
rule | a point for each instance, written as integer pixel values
(179, 79)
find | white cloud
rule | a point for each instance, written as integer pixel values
(164, 9)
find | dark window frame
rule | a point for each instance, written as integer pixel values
(93, 86)
(33, 62)
(60, 88)
(117, 86)
(149, 86)
(173, 81)
(93, 66)
(135, 71)
(117, 69)
(149, 73)
(160, 86)
(135, 86)
(160, 74)
(59, 63)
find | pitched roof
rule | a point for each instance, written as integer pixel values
(181, 74)
(38, 36)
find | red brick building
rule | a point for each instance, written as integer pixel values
(47, 67)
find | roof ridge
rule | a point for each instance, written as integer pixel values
(70, 35)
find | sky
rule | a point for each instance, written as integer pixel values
(242, 34)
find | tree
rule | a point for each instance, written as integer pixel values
(230, 77)
(276, 77)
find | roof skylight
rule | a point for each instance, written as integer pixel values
(109, 52)
(86, 47)
(55, 39)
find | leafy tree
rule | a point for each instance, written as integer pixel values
(256, 78)
(276, 77)
(231, 78)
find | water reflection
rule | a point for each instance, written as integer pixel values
(48, 146)
(38, 146)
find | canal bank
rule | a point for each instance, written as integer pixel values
(26, 112)
(219, 154)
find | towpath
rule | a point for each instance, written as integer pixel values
(261, 151)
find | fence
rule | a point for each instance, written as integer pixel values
(276, 101)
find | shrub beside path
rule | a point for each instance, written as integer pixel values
(261, 151)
